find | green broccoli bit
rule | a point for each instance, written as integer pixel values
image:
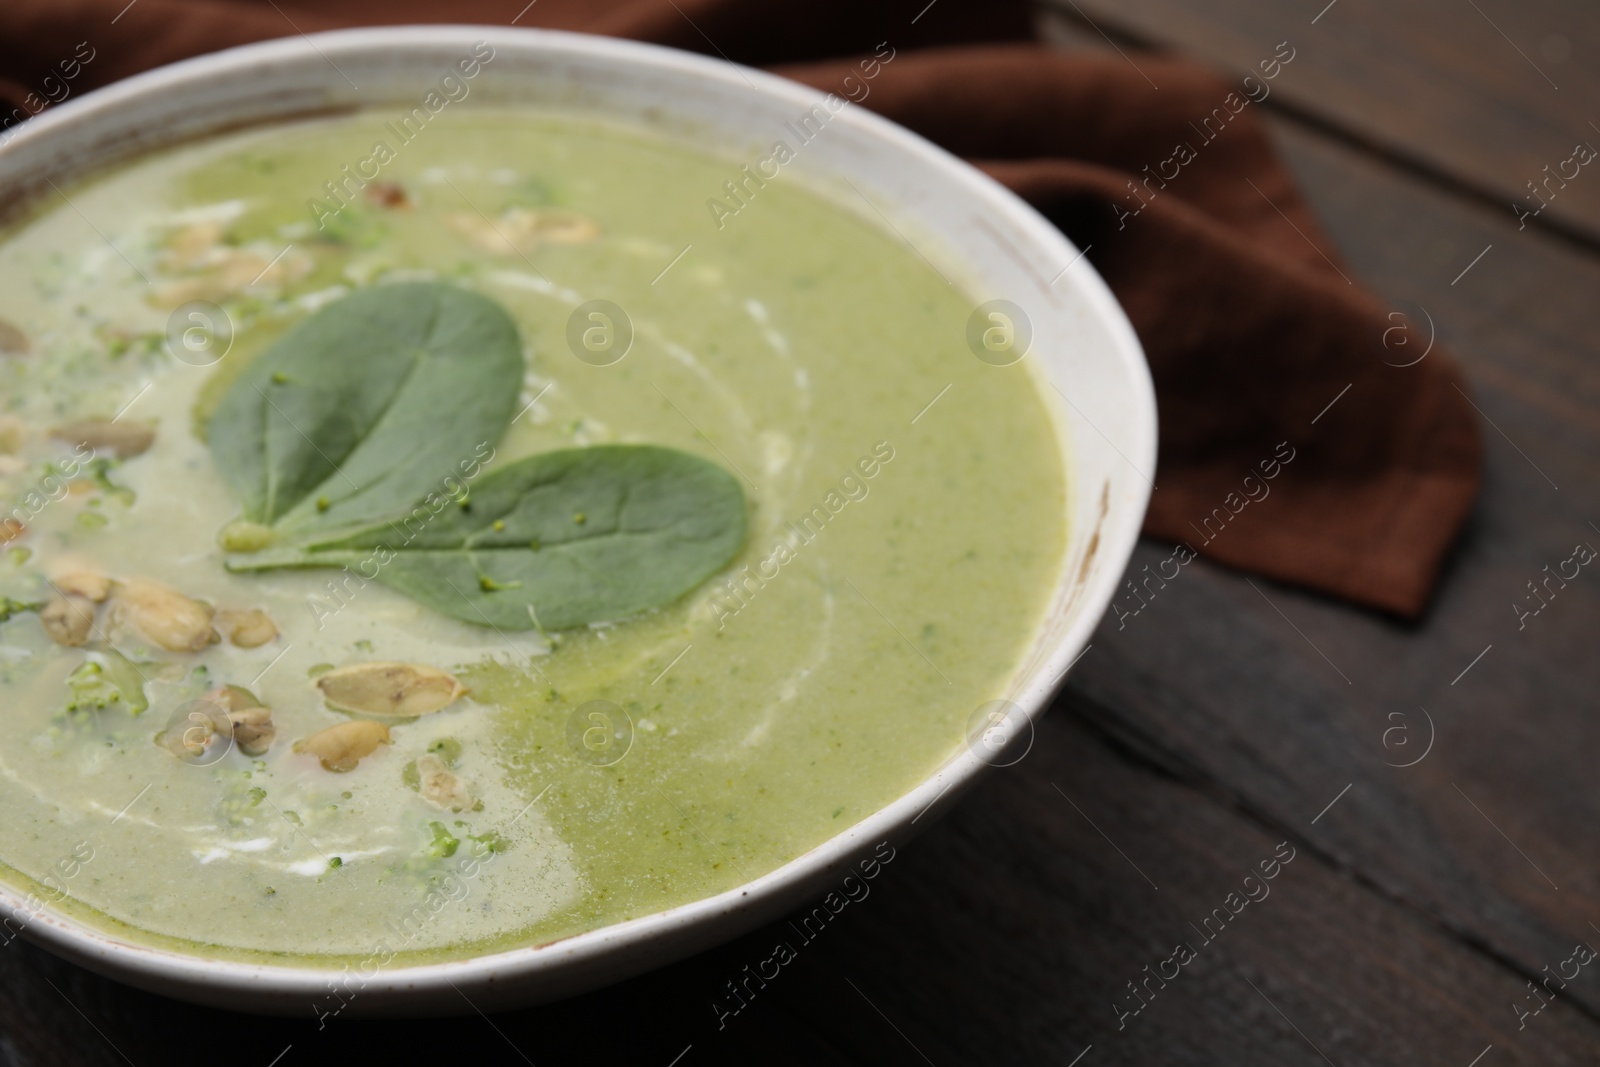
(100, 473)
(10, 607)
(447, 749)
(491, 841)
(91, 689)
(126, 676)
(355, 228)
(444, 843)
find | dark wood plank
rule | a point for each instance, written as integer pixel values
(1224, 690)
(1333, 957)
(1516, 734)
(1487, 93)
(1196, 738)
(1006, 935)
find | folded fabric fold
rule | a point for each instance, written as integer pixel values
(1251, 325)
(1301, 438)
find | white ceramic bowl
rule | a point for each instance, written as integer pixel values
(991, 244)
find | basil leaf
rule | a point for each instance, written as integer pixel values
(362, 407)
(555, 540)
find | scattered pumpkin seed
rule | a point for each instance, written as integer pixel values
(246, 627)
(86, 584)
(346, 744)
(167, 617)
(122, 439)
(253, 730)
(13, 342)
(68, 620)
(398, 690)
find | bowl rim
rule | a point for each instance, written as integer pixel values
(226, 981)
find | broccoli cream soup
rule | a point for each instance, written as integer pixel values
(417, 553)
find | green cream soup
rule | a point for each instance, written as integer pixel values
(894, 565)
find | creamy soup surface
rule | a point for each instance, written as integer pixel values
(896, 566)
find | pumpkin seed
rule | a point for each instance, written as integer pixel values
(122, 439)
(343, 746)
(398, 690)
(68, 620)
(167, 617)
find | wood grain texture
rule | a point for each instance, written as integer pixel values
(1482, 833)
(1193, 738)
(1007, 935)
(1263, 702)
(1482, 93)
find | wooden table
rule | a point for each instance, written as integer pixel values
(1226, 725)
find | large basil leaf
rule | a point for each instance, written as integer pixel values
(556, 540)
(361, 408)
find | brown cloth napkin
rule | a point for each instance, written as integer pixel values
(1252, 325)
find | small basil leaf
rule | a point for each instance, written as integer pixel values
(362, 407)
(555, 540)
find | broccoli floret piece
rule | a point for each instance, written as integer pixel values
(490, 841)
(10, 607)
(444, 843)
(104, 679)
(91, 689)
(100, 474)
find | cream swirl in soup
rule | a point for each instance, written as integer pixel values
(325, 765)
